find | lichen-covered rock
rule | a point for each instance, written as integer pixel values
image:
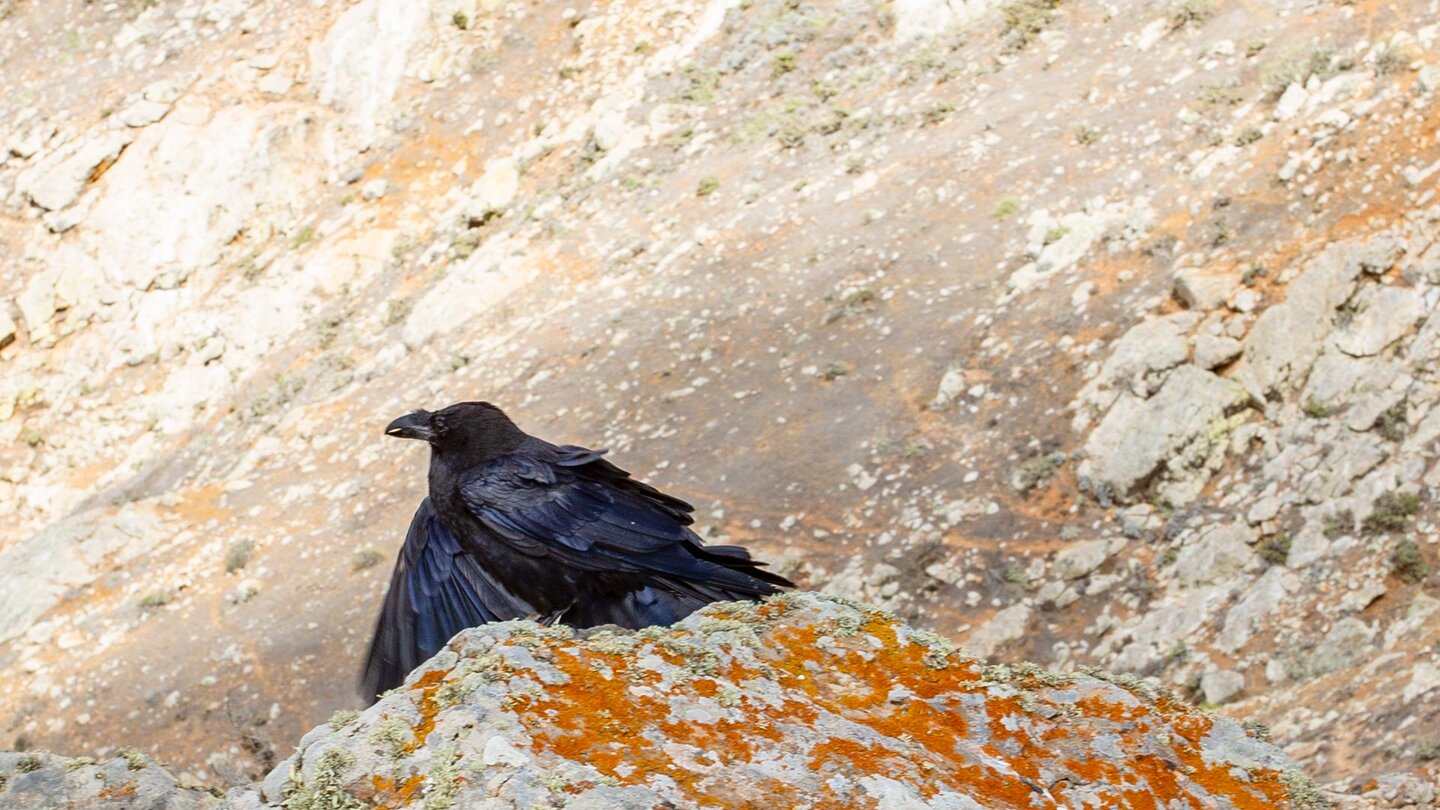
(128, 780)
(801, 700)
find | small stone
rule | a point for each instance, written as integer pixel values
(1290, 102)
(952, 385)
(1205, 290)
(500, 751)
(1079, 559)
(1220, 685)
(1212, 351)
(143, 113)
(374, 190)
(275, 84)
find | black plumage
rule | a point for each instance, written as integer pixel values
(516, 527)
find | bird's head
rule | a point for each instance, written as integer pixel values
(470, 428)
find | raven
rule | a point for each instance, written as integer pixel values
(517, 527)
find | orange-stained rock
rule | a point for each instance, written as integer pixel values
(801, 701)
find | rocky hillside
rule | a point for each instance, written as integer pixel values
(800, 702)
(1090, 333)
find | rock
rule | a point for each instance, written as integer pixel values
(1256, 603)
(1181, 432)
(1383, 316)
(1345, 644)
(1078, 559)
(1219, 554)
(31, 781)
(37, 301)
(359, 64)
(493, 271)
(952, 385)
(143, 113)
(1141, 359)
(374, 190)
(57, 182)
(1005, 626)
(745, 705)
(1288, 337)
(7, 329)
(1220, 685)
(66, 555)
(1423, 678)
(1214, 351)
(1205, 290)
(1290, 102)
(495, 189)
(277, 83)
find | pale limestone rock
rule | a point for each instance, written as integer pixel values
(1205, 290)
(1180, 432)
(1220, 685)
(58, 182)
(1218, 555)
(1383, 316)
(143, 113)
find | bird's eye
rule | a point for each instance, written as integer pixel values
(438, 424)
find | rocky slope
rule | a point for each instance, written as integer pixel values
(1096, 333)
(802, 701)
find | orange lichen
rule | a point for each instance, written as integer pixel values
(428, 685)
(390, 793)
(1005, 745)
(120, 791)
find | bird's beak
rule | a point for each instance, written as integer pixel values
(411, 426)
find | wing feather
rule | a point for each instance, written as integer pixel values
(436, 590)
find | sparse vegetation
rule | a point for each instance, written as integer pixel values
(1035, 471)
(784, 62)
(1275, 549)
(1315, 409)
(1055, 234)
(367, 557)
(1339, 524)
(1248, 136)
(1392, 512)
(1393, 424)
(1407, 563)
(156, 599)
(1191, 14)
(700, 86)
(237, 556)
(460, 20)
(1006, 208)
(303, 236)
(28, 764)
(708, 185)
(1392, 59)
(1298, 64)
(1087, 136)
(835, 371)
(938, 112)
(1025, 20)
(398, 310)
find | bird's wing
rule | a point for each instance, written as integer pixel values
(436, 590)
(584, 512)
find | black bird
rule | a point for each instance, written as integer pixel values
(515, 527)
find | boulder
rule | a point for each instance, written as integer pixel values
(1179, 434)
(127, 780)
